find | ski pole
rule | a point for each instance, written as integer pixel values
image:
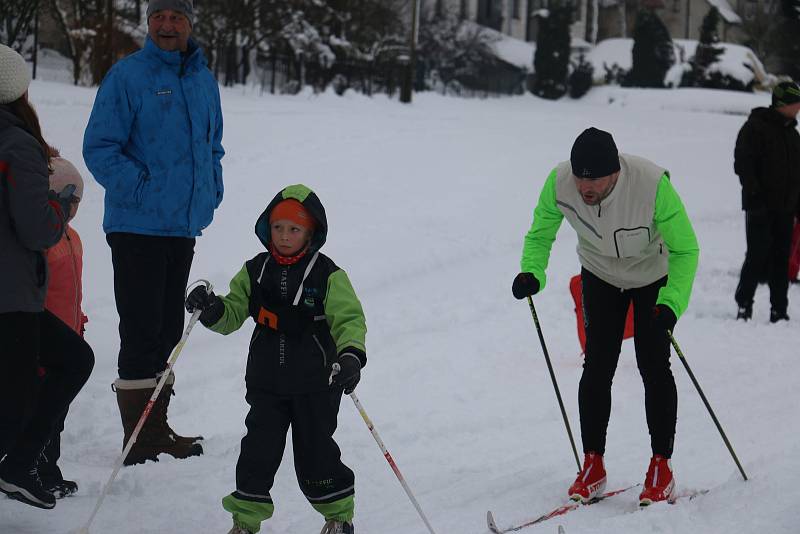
(553, 378)
(705, 401)
(147, 409)
(335, 370)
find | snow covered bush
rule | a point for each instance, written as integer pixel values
(452, 50)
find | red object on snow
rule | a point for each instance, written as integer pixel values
(794, 255)
(577, 297)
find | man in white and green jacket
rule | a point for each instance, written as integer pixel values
(635, 244)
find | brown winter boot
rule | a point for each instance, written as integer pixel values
(160, 412)
(155, 437)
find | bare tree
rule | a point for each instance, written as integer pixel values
(16, 17)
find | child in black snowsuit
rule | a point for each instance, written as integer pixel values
(307, 318)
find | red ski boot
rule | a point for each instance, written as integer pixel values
(659, 484)
(591, 480)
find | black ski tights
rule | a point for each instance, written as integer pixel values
(605, 308)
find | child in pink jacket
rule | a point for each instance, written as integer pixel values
(64, 294)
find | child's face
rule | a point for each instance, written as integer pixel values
(289, 237)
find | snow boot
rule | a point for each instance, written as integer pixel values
(337, 527)
(238, 530)
(160, 411)
(156, 436)
(777, 315)
(745, 312)
(25, 486)
(659, 484)
(591, 480)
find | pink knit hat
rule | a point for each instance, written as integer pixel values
(65, 173)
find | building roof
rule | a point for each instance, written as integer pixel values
(726, 11)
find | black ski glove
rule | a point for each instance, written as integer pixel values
(211, 306)
(350, 362)
(62, 201)
(663, 319)
(286, 318)
(525, 285)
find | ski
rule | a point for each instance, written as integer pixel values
(686, 494)
(561, 510)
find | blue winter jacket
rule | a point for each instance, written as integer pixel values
(154, 142)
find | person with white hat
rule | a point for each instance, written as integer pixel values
(32, 218)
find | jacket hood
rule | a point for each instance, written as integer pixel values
(310, 201)
(773, 116)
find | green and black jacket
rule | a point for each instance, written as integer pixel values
(294, 363)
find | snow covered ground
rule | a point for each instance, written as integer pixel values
(428, 205)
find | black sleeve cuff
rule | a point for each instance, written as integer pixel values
(358, 353)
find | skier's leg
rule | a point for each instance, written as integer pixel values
(652, 358)
(327, 483)
(261, 452)
(605, 308)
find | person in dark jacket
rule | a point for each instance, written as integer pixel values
(767, 160)
(308, 318)
(32, 218)
(153, 141)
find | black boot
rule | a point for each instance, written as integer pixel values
(777, 315)
(745, 312)
(25, 486)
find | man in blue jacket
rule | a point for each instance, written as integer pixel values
(154, 143)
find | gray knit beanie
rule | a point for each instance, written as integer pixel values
(15, 77)
(183, 6)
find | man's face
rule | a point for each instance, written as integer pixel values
(170, 30)
(790, 111)
(593, 191)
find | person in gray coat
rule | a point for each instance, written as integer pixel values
(43, 362)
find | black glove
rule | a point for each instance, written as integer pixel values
(350, 362)
(525, 285)
(62, 201)
(663, 319)
(286, 319)
(211, 306)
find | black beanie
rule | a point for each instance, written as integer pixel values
(785, 94)
(594, 155)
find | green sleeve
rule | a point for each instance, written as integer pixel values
(344, 313)
(676, 229)
(237, 304)
(539, 239)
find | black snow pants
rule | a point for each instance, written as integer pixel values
(769, 241)
(605, 308)
(150, 278)
(32, 406)
(322, 476)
